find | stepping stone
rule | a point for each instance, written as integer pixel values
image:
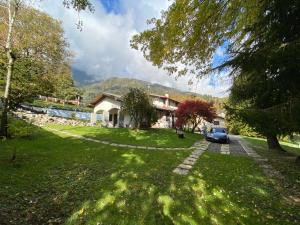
(114, 144)
(191, 159)
(188, 162)
(184, 166)
(266, 166)
(199, 151)
(120, 145)
(181, 171)
(151, 148)
(225, 153)
(105, 142)
(261, 160)
(131, 146)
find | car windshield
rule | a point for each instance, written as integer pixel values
(218, 130)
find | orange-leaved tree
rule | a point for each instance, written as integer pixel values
(190, 112)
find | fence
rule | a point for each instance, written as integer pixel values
(63, 113)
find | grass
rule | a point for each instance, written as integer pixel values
(62, 180)
(151, 137)
(284, 162)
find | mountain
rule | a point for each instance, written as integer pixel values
(121, 86)
(81, 78)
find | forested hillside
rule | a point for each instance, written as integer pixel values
(121, 85)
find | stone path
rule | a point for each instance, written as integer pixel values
(188, 163)
(261, 161)
(118, 145)
(225, 149)
(233, 148)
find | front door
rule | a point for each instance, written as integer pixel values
(115, 119)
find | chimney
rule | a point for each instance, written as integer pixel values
(167, 99)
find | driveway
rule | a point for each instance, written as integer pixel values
(233, 147)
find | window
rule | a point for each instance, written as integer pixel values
(216, 122)
(110, 117)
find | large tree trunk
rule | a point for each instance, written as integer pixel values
(12, 8)
(273, 143)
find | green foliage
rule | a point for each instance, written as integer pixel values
(41, 64)
(137, 105)
(79, 4)
(21, 129)
(263, 39)
(190, 31)
(237, 126)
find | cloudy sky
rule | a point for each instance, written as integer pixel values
(102, 47)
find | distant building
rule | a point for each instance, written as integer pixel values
(109, 106)
(219, 121)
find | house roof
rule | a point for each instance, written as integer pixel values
(165, 108)
(101, 96)
(164, 97)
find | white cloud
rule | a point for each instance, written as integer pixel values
(102, 47)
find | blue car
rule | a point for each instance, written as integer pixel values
(217, 135)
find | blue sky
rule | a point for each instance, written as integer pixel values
(102, 49)
(112, 6)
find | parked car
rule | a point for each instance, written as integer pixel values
(217, 135)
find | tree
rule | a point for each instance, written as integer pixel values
(193, 111)
(13, 7)
(261, 43)
(264, 93)
(136, 104)
(41, 63)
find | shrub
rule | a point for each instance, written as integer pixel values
(20, 129)
(136, 103)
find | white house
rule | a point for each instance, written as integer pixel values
(109, 106)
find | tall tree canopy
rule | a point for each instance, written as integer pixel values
(262, 53)
(10, 19)
(187, 35)
(41, 64)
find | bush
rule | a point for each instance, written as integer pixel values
(236, 126)
(20, 129)
(136, 103)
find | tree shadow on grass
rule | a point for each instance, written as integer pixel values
(160, 197)
(67, 180)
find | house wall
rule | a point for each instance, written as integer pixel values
(158, 101)
(104, 106)
(220, 123)
(172, 104)
(108, 103)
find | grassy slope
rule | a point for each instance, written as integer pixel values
(58, 179)
(152, 137)
(283, 162)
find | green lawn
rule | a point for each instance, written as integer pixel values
(284, 162)
(151, 137)
(57, 179)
